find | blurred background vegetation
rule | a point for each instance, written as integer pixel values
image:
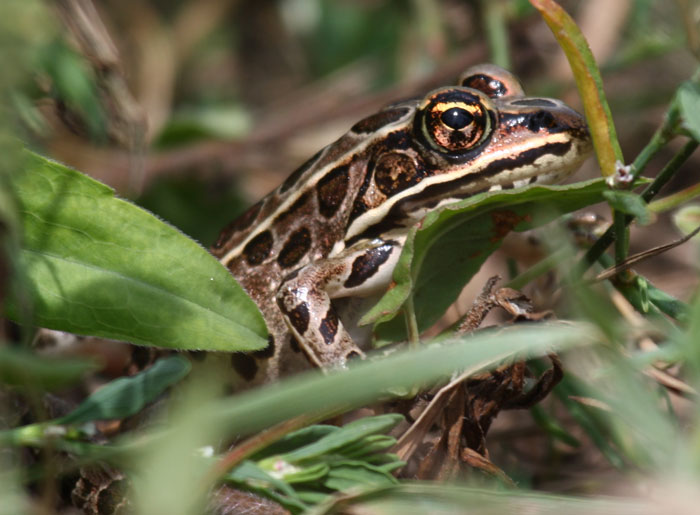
(196, 108)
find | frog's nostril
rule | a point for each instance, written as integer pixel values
(541, 120)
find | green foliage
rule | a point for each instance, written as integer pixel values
(94, 264)
(19, 367)
(127, 396)
(629, 203)
(322, 457)
(451, 244)
(90, 263)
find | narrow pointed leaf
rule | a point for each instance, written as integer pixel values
(588, 81)
(126, 396)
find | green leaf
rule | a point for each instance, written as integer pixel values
(347, 434)
(367, 381)
(98, 265)
(629, 203)
(350, 474)
(249, 476)
(295, 440)
(451, 244)
(23, 368)
(126, 396)
(687, 219)
(689, 99)
(305, 474)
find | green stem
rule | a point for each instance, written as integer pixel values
(621, 236)
(676, 199)
(411, 323)
(496, 32)
(650, 192)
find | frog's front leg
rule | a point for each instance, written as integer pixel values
(305, 298)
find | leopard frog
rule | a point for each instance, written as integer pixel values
(335, 227)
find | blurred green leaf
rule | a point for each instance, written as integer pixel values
(687, 219)
(20, 367)
(367, 381)
(126, 396)
(74, 85)
(689, 100)
(215, 122)
(346, 475)
(249, 476)
(347, 434)
(629, 203)
(295, 440)
(428, 498)
(98, 265)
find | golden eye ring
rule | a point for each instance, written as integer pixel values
(454, 121)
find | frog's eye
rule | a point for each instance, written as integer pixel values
(454, 120)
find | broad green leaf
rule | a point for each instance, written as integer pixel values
(98, 265)
(689, 101)
(451, 244)
(629, 203)
(24, 368)
(588, 81)
(126, 396)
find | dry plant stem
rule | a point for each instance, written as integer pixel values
(641, 256)
(409, 441)
(481, 307)
(664, 176)
(126, 121)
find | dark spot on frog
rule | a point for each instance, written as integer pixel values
(295, 248)
(298, 317)
(329, 326)
(367, 264)
(245, 365)
(294, 343)
(258, 249)
(395, 172)
(332, 189)
(268, 351)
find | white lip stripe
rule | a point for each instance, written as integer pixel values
(364, 221)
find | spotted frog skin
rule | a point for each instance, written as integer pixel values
(336, 226)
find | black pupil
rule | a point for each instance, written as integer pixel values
(456, 118)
